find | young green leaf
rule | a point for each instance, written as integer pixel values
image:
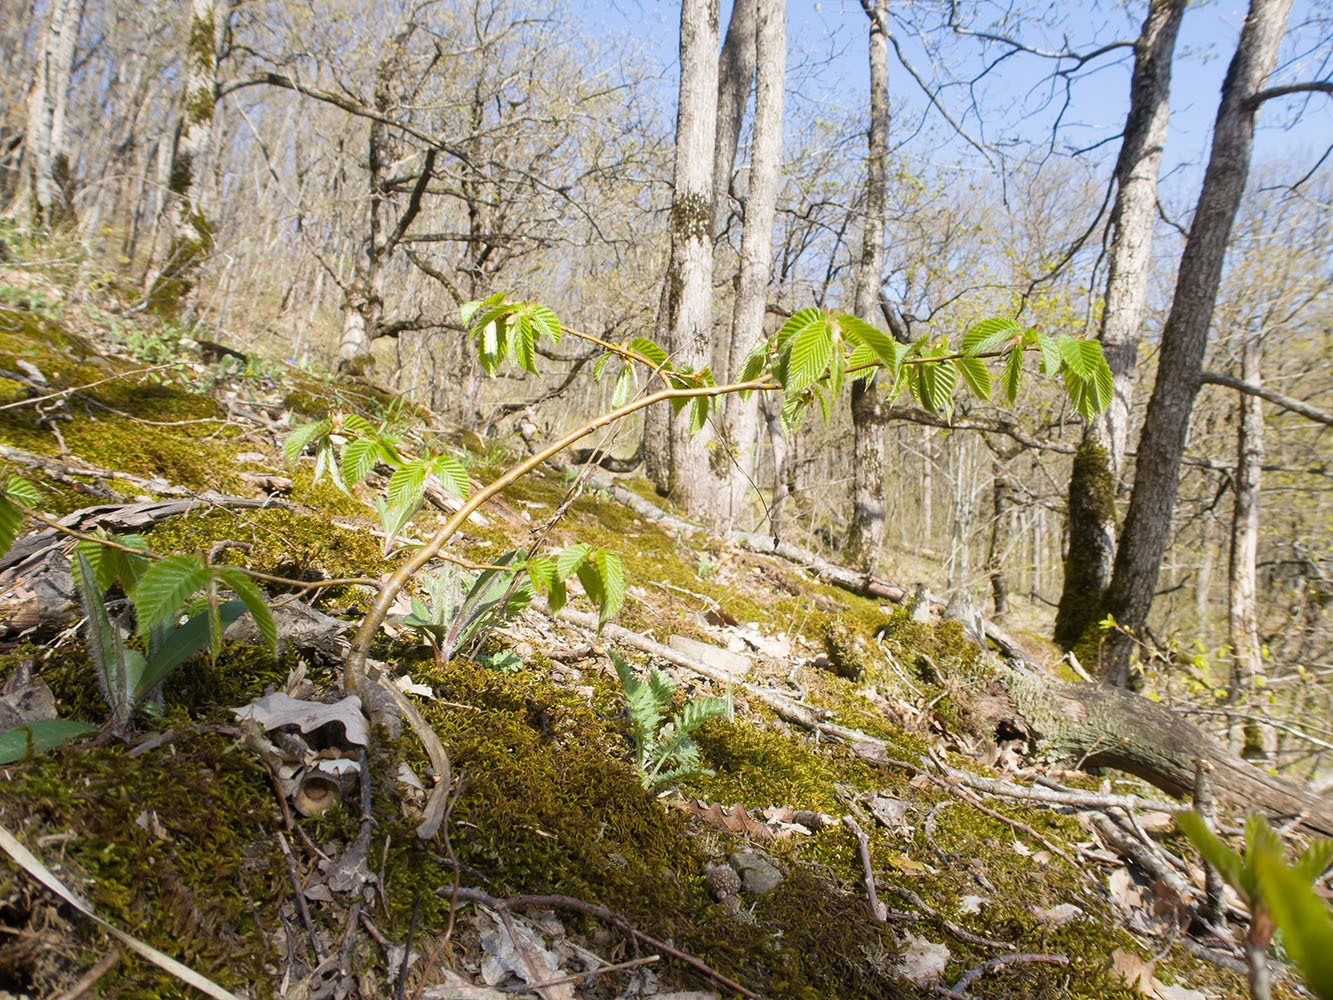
(648, 349)
(626, 383)
(407, 482)
(1013, 373)
(1050, 354)
(117, 670)
(545, 322)
(568, 561)
(1303, 917)
(165, 586)
(254, 602)
(295, 442)
(452, 474)
(359, 458)
(522, 341)
(976, 375)
(33, 738)
(600, 365)
(885, 347)
(807, 354)
(799, 323)
(936, 386)
(989, 334)
(612, 572)
(699, 407)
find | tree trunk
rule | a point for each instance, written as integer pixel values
(866, 532)
(999, 540)
(43, 190)
(736, 69)
(690, 273)
(761, 199)
(1157, 467)
(191, 239)
(1101, 459)
(1242, 590)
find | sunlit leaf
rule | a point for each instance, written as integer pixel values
(990, 333)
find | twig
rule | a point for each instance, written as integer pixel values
(301, 908)
(633, 963)
(89, 979)
(601, 913)
(1000, 962)
(877, 909)
(961, 933)
(79, 388)
(407, 949)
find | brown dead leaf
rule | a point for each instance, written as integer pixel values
(923, 961)
(1135, 972)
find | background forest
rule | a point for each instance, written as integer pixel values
(327, 184)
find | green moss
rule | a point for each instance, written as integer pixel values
(1091, 509)
(172, 847)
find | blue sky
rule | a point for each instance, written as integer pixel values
(827, 56)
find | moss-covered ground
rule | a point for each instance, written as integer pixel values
(178, 843)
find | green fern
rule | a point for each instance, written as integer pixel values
(663, 753)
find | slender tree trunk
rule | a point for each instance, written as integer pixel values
(736, 69)
(999, 540)
(191, 232)
(1242, 588)
(1157, 467)
(689, 282)
(42, 198)
(761, 199)
(1101, 457)
(866, 532)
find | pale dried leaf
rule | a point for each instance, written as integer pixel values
(923, 961)
(277, 710)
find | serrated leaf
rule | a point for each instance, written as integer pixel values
(649, 349)
(557, 596)
(1081, 356)
(358, 459)
(626, 383)
(976, 375)
(451, 474)
(754, 364)
(612, 572)
(807, 355)
(295, 442)
(936, 386)
(522, 340)
(600, 365)
(22, 492)
(541, 571)
(699, 407)
(990, 333)
(1013, 373)
(570, 559)
(356, 423)
(254, 602)
(798, 323)
(164, 587)
(468, 309)
(1050, 355)
(11, 517)
(407, 482)
(545, 322)
(793, 407)
(39, 737)
(884, 347)
(591, 579)
(862, 363)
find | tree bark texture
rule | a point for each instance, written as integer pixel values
(43, 196)
(736, 69)
(1242, 586)
(761, 201)
(866, 532)
(1001, 500)
(1102, 456)
(690, 272)
(191, 232)
(1184, 338)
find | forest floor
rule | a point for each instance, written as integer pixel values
(827, 847)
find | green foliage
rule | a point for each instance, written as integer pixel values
(663, 750)
(125, 675)
(17, 495)
(33, 738)
(1276, 893)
